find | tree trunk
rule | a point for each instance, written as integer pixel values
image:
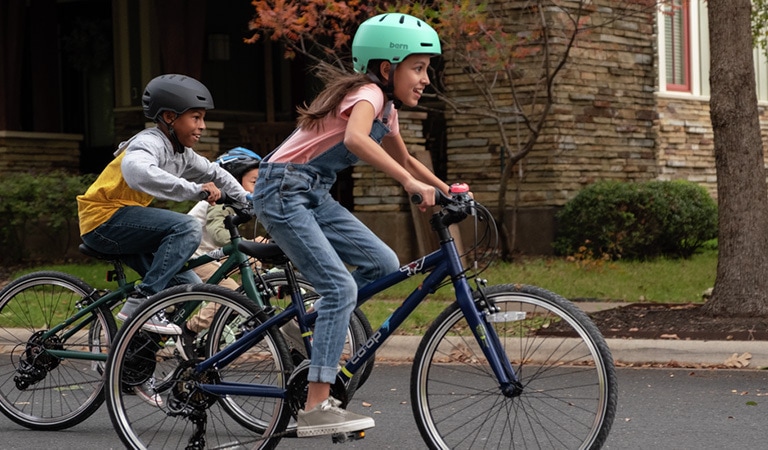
(741, 286)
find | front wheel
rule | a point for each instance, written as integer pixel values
(567, 376)
(38, 390)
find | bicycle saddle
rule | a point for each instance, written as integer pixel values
(267, 253)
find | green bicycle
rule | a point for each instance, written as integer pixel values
(56, 330)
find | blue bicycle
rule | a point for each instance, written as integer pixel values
(509, 365)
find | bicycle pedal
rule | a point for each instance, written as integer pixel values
(340, 438)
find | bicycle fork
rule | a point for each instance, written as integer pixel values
(478, 315)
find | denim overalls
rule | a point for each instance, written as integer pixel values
(319, 235)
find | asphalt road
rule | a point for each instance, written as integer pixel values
(658, 409)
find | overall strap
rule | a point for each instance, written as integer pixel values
(387, 112)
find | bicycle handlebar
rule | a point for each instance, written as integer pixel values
(455, 207)
(224, 199)
(457, 190)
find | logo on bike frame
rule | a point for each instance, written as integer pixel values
(413, 267)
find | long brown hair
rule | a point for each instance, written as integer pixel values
(337, 86)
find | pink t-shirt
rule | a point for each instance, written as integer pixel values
(304, 145)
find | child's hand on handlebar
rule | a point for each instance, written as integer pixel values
(213, 192)
(421, 194)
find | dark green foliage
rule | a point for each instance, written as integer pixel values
(38, 207)
(637, 220)
(38, 214)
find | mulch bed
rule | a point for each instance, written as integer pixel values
(676, 321)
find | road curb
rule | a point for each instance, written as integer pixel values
(628, 351)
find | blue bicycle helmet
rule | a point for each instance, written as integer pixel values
(238, 161)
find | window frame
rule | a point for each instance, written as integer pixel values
(685, 11)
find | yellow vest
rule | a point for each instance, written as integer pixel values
(106, 195)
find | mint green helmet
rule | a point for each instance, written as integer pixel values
(392, 37)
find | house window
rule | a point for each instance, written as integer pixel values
(677, 46)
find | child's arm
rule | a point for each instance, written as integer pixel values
(395, 146)
(214, 224)
(357, 139)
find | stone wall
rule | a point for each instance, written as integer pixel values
(600, 125)
(686, 142)
(39, 152)
(376, 191)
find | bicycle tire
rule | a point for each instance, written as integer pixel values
(179, 408)
(223, 331)
(358, 333)
(367, 332)
(568, 378)
(50, 393)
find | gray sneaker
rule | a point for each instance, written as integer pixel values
(329, 418)
(132, 303)
(148, 394)
(156, 324)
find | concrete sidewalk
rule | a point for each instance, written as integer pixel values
(628, 351)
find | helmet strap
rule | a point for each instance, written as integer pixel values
(389, 87)
(178, 147)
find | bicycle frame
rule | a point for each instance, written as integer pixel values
(236, 260)
(439, 264)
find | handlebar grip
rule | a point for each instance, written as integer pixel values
(224, 199)
(416, 199)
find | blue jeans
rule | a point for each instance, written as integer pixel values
(154, 242)
(320, 236)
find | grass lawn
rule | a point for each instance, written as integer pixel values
(661, 280)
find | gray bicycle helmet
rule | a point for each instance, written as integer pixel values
(176, 93)
(238, 161)
(392, 37)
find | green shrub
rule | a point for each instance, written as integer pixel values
(636, 220)
(37, 208)
(31, 204)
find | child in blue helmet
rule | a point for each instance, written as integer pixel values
(353, 118)
(243, 164)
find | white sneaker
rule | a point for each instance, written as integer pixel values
(157, 324)
(292, 334)
(147, 393)
(329, 418)
(160, 325)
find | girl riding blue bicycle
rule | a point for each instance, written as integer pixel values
(354, 118)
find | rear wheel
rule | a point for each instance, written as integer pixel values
(274, 294)
(154, 400)
(38, 390)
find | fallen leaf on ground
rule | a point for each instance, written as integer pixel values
(738, 361)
